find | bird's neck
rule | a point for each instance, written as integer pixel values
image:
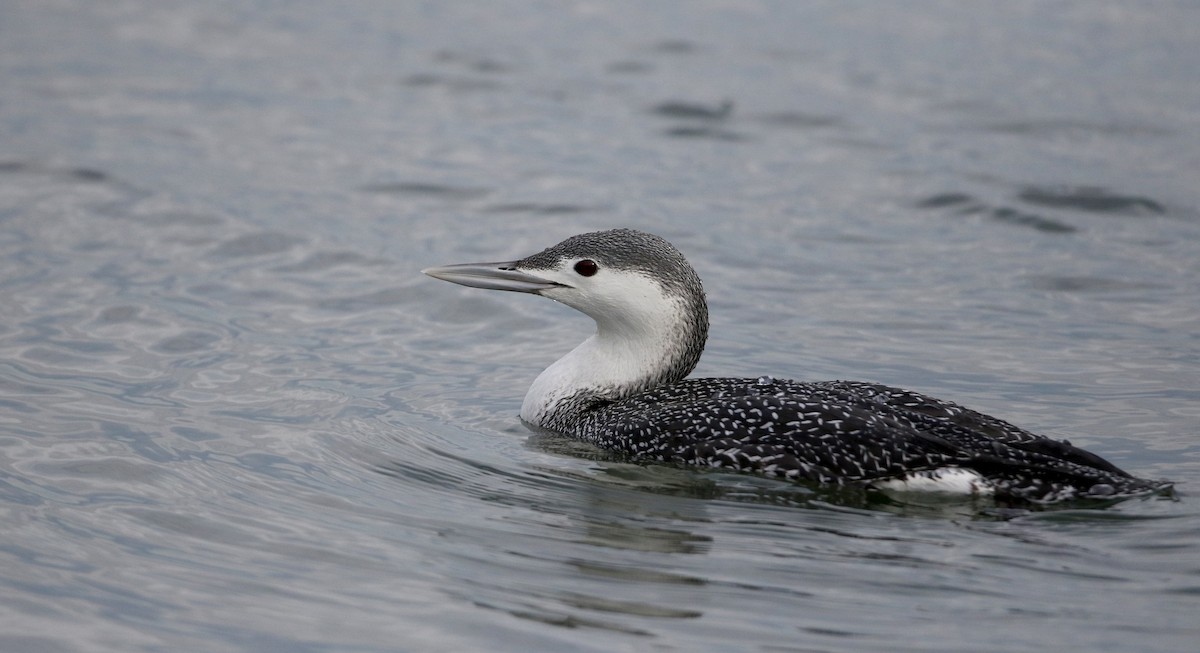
(624, 357)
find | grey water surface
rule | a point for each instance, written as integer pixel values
(235, 417)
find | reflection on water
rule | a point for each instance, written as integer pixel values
(233, 416)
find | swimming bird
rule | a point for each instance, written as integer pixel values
(624, 389)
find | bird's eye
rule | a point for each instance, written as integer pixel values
(587, 267)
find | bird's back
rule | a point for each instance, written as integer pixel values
(841, 432)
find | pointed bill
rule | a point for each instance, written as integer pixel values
(491, 276)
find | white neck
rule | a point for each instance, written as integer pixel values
(642, 339)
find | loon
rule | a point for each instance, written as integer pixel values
(624, 389)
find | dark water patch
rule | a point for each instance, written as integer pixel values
(102, 468)
(143, 443)
(943, 200)
(259, 244)
(468, 85)
(964, 204)
(420, 473)
(55, 357)
(44, 559)
(150, 393)
(1063, 283)
(450, 82)
(94, 246)
(490, 66)
(799, 120)
(563, 620)
(599, 604)
(30, 384)
(594, 569)
(676, 46)
(14, 406)
(88, 175)
(81, 174)
(439, 191)
(629, 67)
(477, 63)
(539, 209)
(1069, 126)
(194, 434)
(830, 632)
(112, 598)
(1032, 220)
(19, 490)
(633, 537)
(694, 110)
(475, 72)
(422, 79)
(185, 343)
(1091, 199)
(85, 346)
(223, 532)
(710, 133)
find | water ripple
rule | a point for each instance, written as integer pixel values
(234, 416)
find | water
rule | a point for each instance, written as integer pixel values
(234, 417)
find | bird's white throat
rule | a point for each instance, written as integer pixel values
(642, 332)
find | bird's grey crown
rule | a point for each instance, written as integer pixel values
(624, 249)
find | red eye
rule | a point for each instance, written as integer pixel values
(586, 267)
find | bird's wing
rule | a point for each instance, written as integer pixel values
(826, 437)
(972, 429)
(783, 436)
